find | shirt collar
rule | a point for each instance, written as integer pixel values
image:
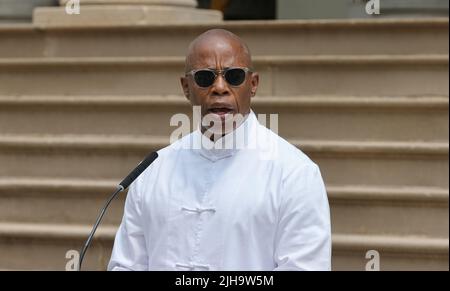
(229, 144)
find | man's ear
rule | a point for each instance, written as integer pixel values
(254, 83)
(185, 86)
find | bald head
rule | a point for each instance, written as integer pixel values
(218, 44)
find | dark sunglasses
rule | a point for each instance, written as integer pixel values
(206, 77)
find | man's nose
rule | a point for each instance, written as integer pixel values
(220, 86)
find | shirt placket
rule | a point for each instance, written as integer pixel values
(203, 213)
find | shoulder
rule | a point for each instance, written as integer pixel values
(301, 179)
(287, 157)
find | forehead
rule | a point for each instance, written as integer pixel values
(217, 54)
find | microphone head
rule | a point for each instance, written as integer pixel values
(138, 170)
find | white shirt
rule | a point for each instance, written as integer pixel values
(251, 207)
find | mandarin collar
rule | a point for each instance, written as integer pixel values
(229, 144)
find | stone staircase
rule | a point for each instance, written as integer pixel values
(367, 100)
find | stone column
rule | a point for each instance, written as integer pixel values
(125, 12)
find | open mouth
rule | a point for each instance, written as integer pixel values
(220, 111)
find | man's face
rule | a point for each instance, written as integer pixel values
(221, 97)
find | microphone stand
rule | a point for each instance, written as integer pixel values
(97, 222)
(122, 186)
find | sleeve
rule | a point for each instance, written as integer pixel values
(129, 251)
(303, 239)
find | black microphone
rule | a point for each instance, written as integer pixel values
(120, 187)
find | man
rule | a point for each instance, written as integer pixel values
(258, 206)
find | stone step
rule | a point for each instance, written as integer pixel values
(111, 157)
(69, 201)
(34, 246)
(345, 75)
(389, 211)
(44, 247)
(303, 117)
(403, 253)
(287, 37)
(354, 209)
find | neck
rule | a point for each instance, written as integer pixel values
(216, 136)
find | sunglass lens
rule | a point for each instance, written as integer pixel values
(235, 77)
(204, 78)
